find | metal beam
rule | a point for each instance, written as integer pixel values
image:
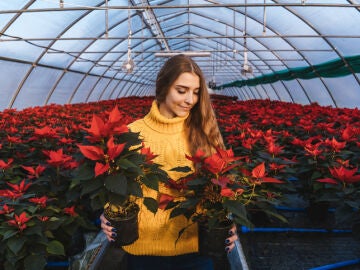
(179, 37)
(67, 7)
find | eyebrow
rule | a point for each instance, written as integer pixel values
(183, 86)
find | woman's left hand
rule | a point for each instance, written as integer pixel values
(230, 241)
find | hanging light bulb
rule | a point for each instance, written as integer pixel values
(129, 64)
(246, 68)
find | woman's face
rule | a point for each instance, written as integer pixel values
(182, 96)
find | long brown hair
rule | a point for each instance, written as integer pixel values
(202, 126)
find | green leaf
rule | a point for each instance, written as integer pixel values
(190, 203)
(184, 169)
(9, 233)
(91, 186)
(151, 182)
(34, 262)
(15, 244)
(177, 212)
(236, 208)
(134, 188)
(151, 204)
(125, 164)
(198, 181)
(55, 248)
(116, 184)
(84, 172)
(243, 221)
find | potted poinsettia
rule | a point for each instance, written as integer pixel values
(221, 185)
(217, 194)
(341, 188)
(115, 168)
(36, 224)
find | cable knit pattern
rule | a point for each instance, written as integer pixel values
(158, 233)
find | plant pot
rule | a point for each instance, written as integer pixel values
(126, 226)
(356, 230)
(212, 244)
(259, 218)
(318, 212)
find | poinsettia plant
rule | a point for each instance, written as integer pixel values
(115, 166)
(221, 188)
(341, 188)
(38, 214)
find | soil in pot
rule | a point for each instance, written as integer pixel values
(126, 227)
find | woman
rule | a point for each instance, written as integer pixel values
(181, 120)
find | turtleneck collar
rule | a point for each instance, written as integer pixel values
(156, 121)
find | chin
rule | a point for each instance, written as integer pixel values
(183, 114)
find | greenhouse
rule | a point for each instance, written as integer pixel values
(78, 76)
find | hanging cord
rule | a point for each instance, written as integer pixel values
(106, 19)
(130, 35)
(142, 35)
(234, 43)
(244, 34)
(264, 19)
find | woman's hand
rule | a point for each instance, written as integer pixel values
(230, 241)
(109, 231)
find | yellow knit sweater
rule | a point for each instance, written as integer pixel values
(158, 233)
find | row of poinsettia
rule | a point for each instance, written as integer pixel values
(41, 212)
(317, 146)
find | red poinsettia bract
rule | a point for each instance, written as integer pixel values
(345, 176)
(258, 175)
(100, 130)
(221, 161)
(70, 211)
(6, 209)
(19, 221)
(34, 172)
(96, 153)
(57, 158)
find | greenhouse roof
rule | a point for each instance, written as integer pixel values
(73, 51)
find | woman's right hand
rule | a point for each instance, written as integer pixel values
(109, 231)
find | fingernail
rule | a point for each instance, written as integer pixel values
(227, 241)
(231, 232)
(113, 234)
(227, 249)
(113, 229)
(108, 223)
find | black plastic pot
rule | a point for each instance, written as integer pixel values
(318, 212)
(212, 244)
(356, 231)
(126, 228)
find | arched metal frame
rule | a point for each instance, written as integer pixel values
(171, 25)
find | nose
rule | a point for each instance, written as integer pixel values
(189, 99)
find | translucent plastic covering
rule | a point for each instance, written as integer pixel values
(72, 51)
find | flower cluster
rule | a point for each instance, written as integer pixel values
(116, 166)
(48, 190)
(221, 188)
(316, 147)
(42, 208)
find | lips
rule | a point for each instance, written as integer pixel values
(186, 108)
